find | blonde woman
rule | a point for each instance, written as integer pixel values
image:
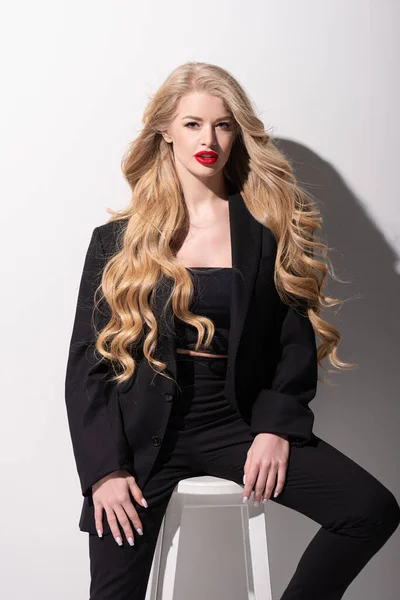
(194, 350)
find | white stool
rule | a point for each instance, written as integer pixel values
(201, 492)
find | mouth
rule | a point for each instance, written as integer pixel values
(206, 158)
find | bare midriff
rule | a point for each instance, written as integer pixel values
(194, 353)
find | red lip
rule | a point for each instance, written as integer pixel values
(211, 152)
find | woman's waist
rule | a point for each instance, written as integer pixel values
(195, 353)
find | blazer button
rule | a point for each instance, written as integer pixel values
(168, 396)
(156, 440)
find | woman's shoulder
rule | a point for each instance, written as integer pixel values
(111, 234)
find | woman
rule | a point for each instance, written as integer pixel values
(194, 350)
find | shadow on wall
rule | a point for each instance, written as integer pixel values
(359, 416)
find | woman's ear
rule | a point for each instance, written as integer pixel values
(166, 136)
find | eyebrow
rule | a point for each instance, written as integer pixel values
(200, 119)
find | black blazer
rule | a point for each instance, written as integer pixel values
(272, 364)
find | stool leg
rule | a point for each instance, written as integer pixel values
(151, 592)
(256, 552)
(167, 556)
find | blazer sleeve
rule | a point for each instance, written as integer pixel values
(283, 407)
(98, 446)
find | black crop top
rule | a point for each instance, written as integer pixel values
(212, 298)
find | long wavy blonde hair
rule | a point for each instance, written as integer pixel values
(156, 217)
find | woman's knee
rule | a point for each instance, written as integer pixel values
(388, 509)
(380, 511)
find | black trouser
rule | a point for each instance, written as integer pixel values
(206, 436)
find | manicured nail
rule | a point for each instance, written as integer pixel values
(276, 494)
(245, 498)
(264, 500)
(119, 541)
(99, 533)
(144, 503)
(140, 532)
(131, 542)
(256, 503)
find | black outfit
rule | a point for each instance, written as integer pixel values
(212, 295)
(213, 414)
(205, 436)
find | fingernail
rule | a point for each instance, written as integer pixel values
(119, 541)
(140, 532)
(131, 542)
(256, 503)
(245, 498)
(264, 500)
(145, 503)
(99, 533)
(276, 494)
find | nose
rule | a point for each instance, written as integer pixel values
(209, 138)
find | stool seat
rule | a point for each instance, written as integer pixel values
(207, 485)
(211, 492)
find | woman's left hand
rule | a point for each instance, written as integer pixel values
(267, 460)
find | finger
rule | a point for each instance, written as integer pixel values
(247, 464)
(125, 523)
(246, 469)
(136, 492)
(113, 523)
(251, 477)
(281, 479)
(133, 516)
(260, 483)
(270, 483)
(98, 519)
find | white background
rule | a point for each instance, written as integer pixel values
(75, 78)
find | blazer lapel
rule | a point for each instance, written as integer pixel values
(246, 239)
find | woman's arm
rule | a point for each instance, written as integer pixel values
(283, 407)
(98, 449)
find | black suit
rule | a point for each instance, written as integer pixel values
(271, 378)
(272, 364)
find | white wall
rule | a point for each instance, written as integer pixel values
(75, 78)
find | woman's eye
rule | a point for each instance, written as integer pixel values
(194, 123)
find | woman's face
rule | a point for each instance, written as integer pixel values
(202, 123)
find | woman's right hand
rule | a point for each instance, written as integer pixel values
(111, 493)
